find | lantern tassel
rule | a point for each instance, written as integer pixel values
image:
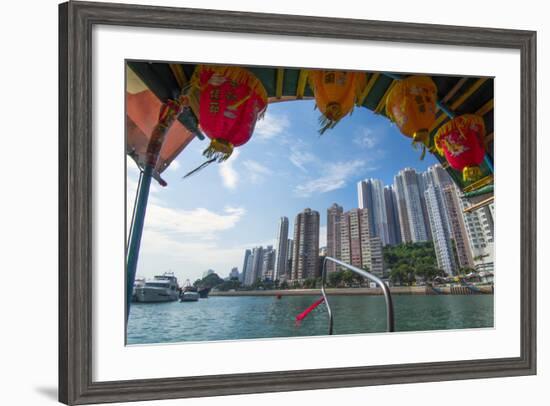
(471, 173)
(326, 124)
(421, 137)
(218, 151)
(198, 168)
(331, 117)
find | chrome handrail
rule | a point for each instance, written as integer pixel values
(387, 295)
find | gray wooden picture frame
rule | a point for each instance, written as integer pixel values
(76, 20)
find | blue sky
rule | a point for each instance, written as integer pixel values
(209, 219)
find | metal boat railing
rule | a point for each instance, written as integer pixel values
(390, 324)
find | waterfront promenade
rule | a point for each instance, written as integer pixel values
(395, 290)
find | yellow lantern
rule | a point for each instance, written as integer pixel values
(335, 93)
(411, 105)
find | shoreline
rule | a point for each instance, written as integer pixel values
(395, 290)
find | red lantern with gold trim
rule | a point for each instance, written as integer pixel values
(231, 100)
(335, 93)
(461, 141)
(411, 105)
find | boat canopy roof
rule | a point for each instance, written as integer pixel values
(164, 81)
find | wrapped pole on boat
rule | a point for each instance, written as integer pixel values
(302, 315)
(169, 112)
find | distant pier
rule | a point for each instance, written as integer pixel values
(395, 290)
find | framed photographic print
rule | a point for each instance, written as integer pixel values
(260, 202)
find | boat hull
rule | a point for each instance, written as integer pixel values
(190, 297)
(155, 295)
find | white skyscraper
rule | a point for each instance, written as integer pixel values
(281, 255)
(407, 185)
(394, 229)
(268, 264)
(247, 265)
(480, 230)
(370, 193)
(458, 226)
(404, 226)
(254, 267)
(441, 233)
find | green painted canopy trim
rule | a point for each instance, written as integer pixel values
(482, 191)
(160, 79)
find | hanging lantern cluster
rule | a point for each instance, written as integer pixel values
(231, 100)
(411, 105)
(461, 141)
(335, 94)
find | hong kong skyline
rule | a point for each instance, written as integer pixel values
(208, 220)
(430, 209)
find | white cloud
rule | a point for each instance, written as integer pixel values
(256, 171)
(227, 171)
(188, 242)
(272, 125)
(174, 166)
(366, 138)
(187, 258)
(300, 158)
(199, 223)
(335, 176)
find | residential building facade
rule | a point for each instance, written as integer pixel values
(392, 212)
(412, 194)
(440, 231)
(305, 262)
(370, 193)
(281, 255)
(334, 244)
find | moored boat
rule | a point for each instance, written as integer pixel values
(138, 283)
(190, 296)
(163, 288)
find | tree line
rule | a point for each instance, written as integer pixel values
(404, 264)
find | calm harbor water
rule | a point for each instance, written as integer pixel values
(230, 318)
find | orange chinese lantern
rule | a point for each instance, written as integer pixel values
(231, 99)
(411, 105)
(461, 141)
(335, 94)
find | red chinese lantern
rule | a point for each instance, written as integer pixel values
(411, 105)
(461, 141)
(335, 93)
(231, 100)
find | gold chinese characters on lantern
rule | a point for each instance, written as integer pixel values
(411, 105)
(230, 100)
(335, 94)
(461, 141)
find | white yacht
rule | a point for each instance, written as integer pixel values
(163, 288)
(138, 283)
